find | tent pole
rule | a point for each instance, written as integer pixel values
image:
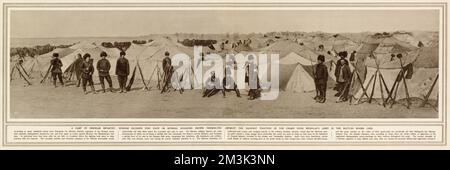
(151, 76)
(406, 86)
(142, 76)
(361, 84)
(384, 83)
(425, 101)
(392, 89)
(367, 86)
(395, 95)
(46, 74)
(23, 69)
(373, 86)
(12, 71)
(20, 73)
(159, 81)
(32, 68)
(381, 89)
(39, 67)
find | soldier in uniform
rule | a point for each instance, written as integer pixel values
(167, 68)
(122, 71)
(103, 67)
(210, 85)
(78, 63)
(56, 69)
(229, 84)
(252, 79)
(321, 78)
(88, 69)
(342, 73)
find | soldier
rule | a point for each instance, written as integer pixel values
(229, 84)
(122, 71)
(87, 69)
(321, 78)
(251, 77)
(344, 80)
(103, 67)
(78, 63)
(210, 85)
(167, 68)
(56, 69)
(342, 73)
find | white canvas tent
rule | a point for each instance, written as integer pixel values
(147, 59)
(293, 77)
(297, 71)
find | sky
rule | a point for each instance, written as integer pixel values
(76, 23)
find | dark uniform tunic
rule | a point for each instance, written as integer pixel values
(321, 78)
(56, 70)
(343, 77)
(167, 68)
(87, 70)
(78, 63)
(103, 67)
(122, 72)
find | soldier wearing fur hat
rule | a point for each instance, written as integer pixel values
(122, 71)
(342, 73)
(103, 67)
(321, 78)
(87, 69)
(56, 69)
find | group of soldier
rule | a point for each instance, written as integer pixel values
(84, 69)
(343, 77)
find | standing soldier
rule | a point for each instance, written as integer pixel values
(103, 67)
(321, 78)
(87, 69)
(167, 67)
(122, 71)
(344, 79)
(341, 73)
(229, 84)
(56, 69)
(78, 71)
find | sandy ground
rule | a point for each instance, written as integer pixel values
(45, 101)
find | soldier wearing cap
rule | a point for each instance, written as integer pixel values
(56, 69)
(103, 67)
(122, 71)
(87, 69)
(321, 78)
(167, 68)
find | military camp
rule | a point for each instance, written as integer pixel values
(387, 75)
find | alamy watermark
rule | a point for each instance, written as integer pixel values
(252, 69)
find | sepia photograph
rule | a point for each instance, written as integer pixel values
(222, 64)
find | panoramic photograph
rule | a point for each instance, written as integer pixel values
(252, 64)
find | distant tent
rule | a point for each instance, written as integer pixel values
(83, 45)
(243, 47)
(428, 57)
